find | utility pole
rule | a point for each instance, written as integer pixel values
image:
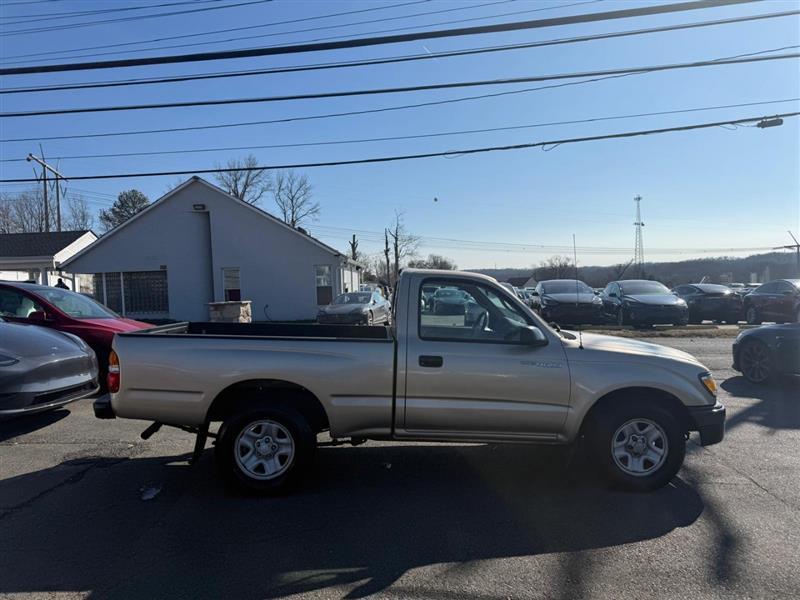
(386, 254)
(795, 247)
(638, 250)
(45, 169)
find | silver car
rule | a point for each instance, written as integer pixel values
(356, 308)
(42, 369)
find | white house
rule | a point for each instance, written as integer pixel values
(198, 244)
(39, 257)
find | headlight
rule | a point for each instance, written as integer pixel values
(708, 382)
(597, 300)
(548, 302)
(681, 302)
(7, 361)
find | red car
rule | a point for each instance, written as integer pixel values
(68, 311)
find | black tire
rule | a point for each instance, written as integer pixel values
(751, 316)
(605, 427)
(370, 318)
(755, 361)
(302, 437)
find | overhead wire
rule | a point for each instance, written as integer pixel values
(410, 137)
(405, 157)
(403, 89)
(389, 60)
(36, 18)
(380, 40)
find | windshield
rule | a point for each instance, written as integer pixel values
(566, 287)
(445, 293)
(76, 305)
(359, 298)
(640, 288)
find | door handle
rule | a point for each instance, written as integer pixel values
(431, 361)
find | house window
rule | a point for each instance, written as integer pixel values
(324, 284)
(134, 292)
(231, 283)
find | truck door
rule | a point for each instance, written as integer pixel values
(470, 374)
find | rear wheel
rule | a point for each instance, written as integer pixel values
(755, 361)
(751, 316)
(639, 445)
(265, 450)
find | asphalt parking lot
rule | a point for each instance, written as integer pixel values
(89, 509)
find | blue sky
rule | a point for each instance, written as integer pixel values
(711, 189)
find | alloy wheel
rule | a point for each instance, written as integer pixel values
(756, 362)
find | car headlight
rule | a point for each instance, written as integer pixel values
(708, 382)
(597, 300)
(7, 361)
(681, 302)
(548, 302)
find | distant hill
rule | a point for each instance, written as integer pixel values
(773, 265)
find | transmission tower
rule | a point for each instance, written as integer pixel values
(638, 250)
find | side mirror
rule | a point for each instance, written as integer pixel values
(534, 293)
(532, 336)
(39, 316)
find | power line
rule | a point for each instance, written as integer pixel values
(381, 40)
(388, 60)
(395, 90)
(452, 153)
(36, 18)
(217, 31)
(126, 19)
(353, 24)
(410, 137)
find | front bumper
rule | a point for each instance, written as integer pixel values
(655, 315)
(29, 403)
(709, 422)
(102, 407)
(583, 314)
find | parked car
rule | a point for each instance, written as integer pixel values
(777, 301)
(569, 301)
(641, 302)
(449, 301)
(356, 308)
(708, 301)
(766, 352)
(427, 297)
(509, 378)
(42, 369)
(66, 311)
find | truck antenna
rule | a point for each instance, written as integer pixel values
(577, 291)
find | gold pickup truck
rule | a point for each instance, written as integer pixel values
(477, 366)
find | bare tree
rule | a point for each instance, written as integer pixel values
(244, 180)
(293, 195)
(556, 267)
(79, 215)
(6, 218)
(403, 243)
(23, 212)
(354, 247)
(434, 261)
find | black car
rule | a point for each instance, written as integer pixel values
(642, 302)
(763, 353)
(449, 301)
(777, 301)
(568, 301)
(709, 301)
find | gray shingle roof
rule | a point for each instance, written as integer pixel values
(36, 244)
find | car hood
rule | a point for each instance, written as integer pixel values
(28, 341)
(117, 325)
(603, 347)
(567, 297)
(342, 309)
(653, 299)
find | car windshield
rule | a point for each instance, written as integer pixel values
(359, 298)
(710, 288)
(641, 288)
(76, 305)
(566, 287)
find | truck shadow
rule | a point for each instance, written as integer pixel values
(11, 427)
(365, 518)
(778, 405)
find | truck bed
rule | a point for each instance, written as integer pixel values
(270, 330)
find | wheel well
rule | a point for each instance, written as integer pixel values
(653, 395)
(269, 391)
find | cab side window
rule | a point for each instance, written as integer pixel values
(467, 312)
(16, 305)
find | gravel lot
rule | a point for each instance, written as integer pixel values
(402, 521)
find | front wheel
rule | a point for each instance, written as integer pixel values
(755, 361)
(265, 450)
(640, 446)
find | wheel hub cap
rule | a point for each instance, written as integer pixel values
(264, 449)
(640, 447)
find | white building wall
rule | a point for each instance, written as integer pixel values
(276, 264)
